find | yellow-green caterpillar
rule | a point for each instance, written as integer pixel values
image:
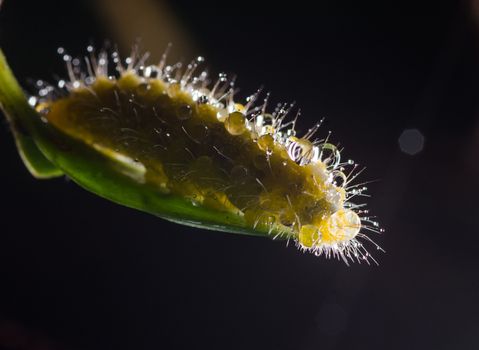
(165, 139)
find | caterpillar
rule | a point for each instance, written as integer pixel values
(185, 140)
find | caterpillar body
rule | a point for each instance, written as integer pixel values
(173, 129)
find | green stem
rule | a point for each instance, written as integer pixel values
(18, 114)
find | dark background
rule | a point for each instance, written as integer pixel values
(78, 272)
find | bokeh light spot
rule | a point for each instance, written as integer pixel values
(411, 141)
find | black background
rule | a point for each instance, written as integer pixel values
(79, 272)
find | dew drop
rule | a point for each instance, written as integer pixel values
(32, 101)
(202, 100)
(266, 143)
(235, 123)
(223, 77)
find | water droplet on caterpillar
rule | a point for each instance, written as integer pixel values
(235, 123)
